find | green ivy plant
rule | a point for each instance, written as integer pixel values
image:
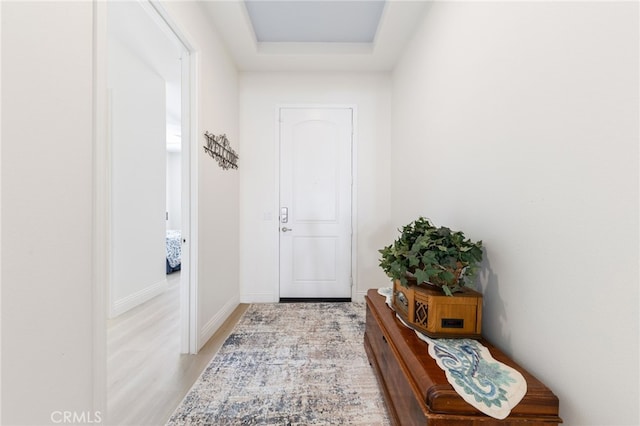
(428, 254)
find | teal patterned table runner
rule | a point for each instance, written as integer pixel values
(488, 385)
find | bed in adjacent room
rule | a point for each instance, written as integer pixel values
(174, 250)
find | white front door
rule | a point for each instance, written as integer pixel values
(315, 202)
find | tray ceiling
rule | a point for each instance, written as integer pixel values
(316, 35)
(315, 21)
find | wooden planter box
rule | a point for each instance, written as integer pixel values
(427, 309)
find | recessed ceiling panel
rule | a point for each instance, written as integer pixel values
(315, 21)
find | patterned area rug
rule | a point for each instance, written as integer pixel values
(289, 364)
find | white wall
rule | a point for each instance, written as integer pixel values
(138, 158)
(518, 123)
(217, 105)
(174, 200)
(46, 210)
(47, 177)
(260, 94)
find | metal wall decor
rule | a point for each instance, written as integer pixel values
(218, 148)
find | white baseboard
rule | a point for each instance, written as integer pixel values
(218, 319)
(258, 298)
(358, 296)
(131, 301)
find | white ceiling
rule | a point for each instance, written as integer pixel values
(337, 51)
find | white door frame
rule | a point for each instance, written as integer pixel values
(354, 189)
(101, 257)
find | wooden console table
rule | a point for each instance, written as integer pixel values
(416, 390)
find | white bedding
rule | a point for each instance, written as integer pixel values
(174, 247)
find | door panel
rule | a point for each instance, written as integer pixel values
(315, 175)
(315, 187)
(319, 267)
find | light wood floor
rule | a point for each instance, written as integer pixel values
(147, 377)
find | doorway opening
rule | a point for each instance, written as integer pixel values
(149, 78)
(150, 167)
(149, 195)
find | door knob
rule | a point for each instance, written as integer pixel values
(285, 229)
